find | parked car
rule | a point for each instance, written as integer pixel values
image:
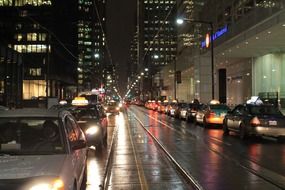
(41, 149)
(212, 113)
(93, 121)
(255, 120)
(188, 112)
(162, 106)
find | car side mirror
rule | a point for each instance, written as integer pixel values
(79, 144)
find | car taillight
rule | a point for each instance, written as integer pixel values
(254, 122)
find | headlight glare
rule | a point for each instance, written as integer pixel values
(56, 184)
(92, 130)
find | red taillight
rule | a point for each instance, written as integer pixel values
(254, 122)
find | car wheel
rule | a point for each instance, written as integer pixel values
(99, 145)
(105, 140)
(187, 118)
(225, 127)
(195, 121)
(205, 124)
(242, 132)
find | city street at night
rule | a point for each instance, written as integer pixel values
(155, 151)
(142, 95)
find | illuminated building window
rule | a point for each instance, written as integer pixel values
(35, 71)
(33, 89)
(2, 86)
(31, 2)
(18, 37)
(32, 37)
(6, 3)
(35, 48)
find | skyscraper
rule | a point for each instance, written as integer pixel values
(91, 43)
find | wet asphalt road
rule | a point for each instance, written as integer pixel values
(214, 160)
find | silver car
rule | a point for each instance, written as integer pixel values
(41, 149)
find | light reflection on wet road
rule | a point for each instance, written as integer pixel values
(216, 161)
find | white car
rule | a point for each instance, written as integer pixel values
(41, 150)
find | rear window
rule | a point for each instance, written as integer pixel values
(219, 107)
(264, 110)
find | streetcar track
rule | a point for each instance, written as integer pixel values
(141, 175)
(248, 166)
(178, 167)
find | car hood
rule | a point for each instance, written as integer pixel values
(13, 167)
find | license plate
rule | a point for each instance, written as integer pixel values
(272, 122)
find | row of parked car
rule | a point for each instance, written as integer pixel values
(253, 118)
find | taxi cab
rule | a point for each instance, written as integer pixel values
(92, 120)
(211, 113)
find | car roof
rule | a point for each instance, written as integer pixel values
(30, 112)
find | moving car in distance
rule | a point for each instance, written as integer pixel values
(255, 120)
(113, 107)
(41, 149)
(212, 113)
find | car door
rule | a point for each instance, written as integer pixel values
(236, 117)
(78, 156)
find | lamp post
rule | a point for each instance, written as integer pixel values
(180, 21)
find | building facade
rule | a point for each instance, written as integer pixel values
(40, 31)
(248, 52)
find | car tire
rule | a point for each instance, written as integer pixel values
(187, 118)
(205, 124)
(99, 145)
(84, 180)
(105, 140)
(242, 132)
(225, 127)
(195, 121)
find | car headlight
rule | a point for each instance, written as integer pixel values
(92, 130)
(56, 184)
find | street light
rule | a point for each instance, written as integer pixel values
(180, 21)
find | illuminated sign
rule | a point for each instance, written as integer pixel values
(207, 40)
(216, 35)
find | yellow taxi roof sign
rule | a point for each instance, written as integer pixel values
(79, 101)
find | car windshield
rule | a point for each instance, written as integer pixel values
(264, 110)
(26, 136)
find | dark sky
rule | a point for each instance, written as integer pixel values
(120, 26)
